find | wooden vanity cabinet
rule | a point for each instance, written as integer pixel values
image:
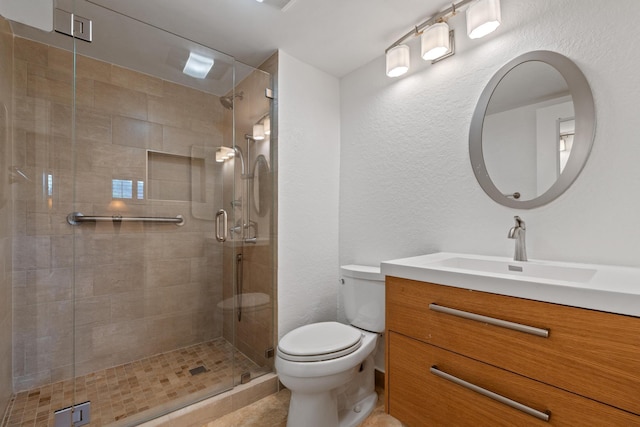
(586, 371)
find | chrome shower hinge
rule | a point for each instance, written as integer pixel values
(73, 416)
(73, 25)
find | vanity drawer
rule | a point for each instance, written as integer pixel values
(592, 353)
(418, 397)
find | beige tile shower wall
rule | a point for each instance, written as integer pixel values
(6, 77)
(140, 289)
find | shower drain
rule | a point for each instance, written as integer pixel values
(198, 370)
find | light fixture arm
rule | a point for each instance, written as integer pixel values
(417, 30)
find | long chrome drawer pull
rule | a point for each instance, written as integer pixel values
(491, 320)
(544, 416)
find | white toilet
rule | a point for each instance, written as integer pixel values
(329, 366)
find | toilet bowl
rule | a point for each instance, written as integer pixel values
(329, 366)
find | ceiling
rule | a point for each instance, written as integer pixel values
(336, 36)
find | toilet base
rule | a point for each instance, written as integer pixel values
(311, 411)
(354, 416)
(344, 406)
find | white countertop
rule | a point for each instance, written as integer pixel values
(600, 287)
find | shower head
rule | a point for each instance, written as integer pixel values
(227, 101)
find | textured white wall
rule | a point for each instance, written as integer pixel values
(406, 185)
(308, 194)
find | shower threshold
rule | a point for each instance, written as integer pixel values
(137, 390)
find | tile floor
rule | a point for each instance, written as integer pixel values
(130, 389)
(272, 412)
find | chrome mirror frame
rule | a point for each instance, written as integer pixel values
(585, 118)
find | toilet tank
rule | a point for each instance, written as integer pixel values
(362, 289)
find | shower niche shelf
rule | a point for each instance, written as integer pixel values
(174, 177)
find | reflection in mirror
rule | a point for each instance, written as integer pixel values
(532, 130)
(567, 129)
(520, 132)
(261, 187)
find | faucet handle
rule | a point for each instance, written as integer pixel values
(519, 222)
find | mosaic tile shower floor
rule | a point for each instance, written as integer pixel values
(129, 389)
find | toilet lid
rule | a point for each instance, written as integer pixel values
(319, 341)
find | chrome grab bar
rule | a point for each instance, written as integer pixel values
(544, 416)
(491, 320)
(77, 218)
(221, 236)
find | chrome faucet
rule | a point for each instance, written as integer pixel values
(518, 232)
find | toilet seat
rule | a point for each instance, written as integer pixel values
(319, 341)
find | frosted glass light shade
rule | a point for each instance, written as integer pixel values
(398, 60)
(224, 153)
(267, 125)
(220, 157)
(483, 17)
(258, 132)
(435, 41)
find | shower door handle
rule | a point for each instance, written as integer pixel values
(221, 226)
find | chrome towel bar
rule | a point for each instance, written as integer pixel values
(76, 218)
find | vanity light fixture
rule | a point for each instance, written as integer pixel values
(483, 17)
(197, 65)
(267, 125)
(220, 157)
(262, 128)
(437, 41)
(398, 60)
(224, 153)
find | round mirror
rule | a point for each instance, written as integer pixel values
(261, 188)
(532, 130)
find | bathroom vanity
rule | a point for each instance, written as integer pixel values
(487, 341)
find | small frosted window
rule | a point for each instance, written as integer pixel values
(49, 185)
(122, 188)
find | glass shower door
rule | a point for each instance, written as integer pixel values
(252, 321)
(123, 295)
(147, 249)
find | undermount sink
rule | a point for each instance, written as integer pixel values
(600, 287)
(529, 268)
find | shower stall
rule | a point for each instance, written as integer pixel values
(137, 222)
